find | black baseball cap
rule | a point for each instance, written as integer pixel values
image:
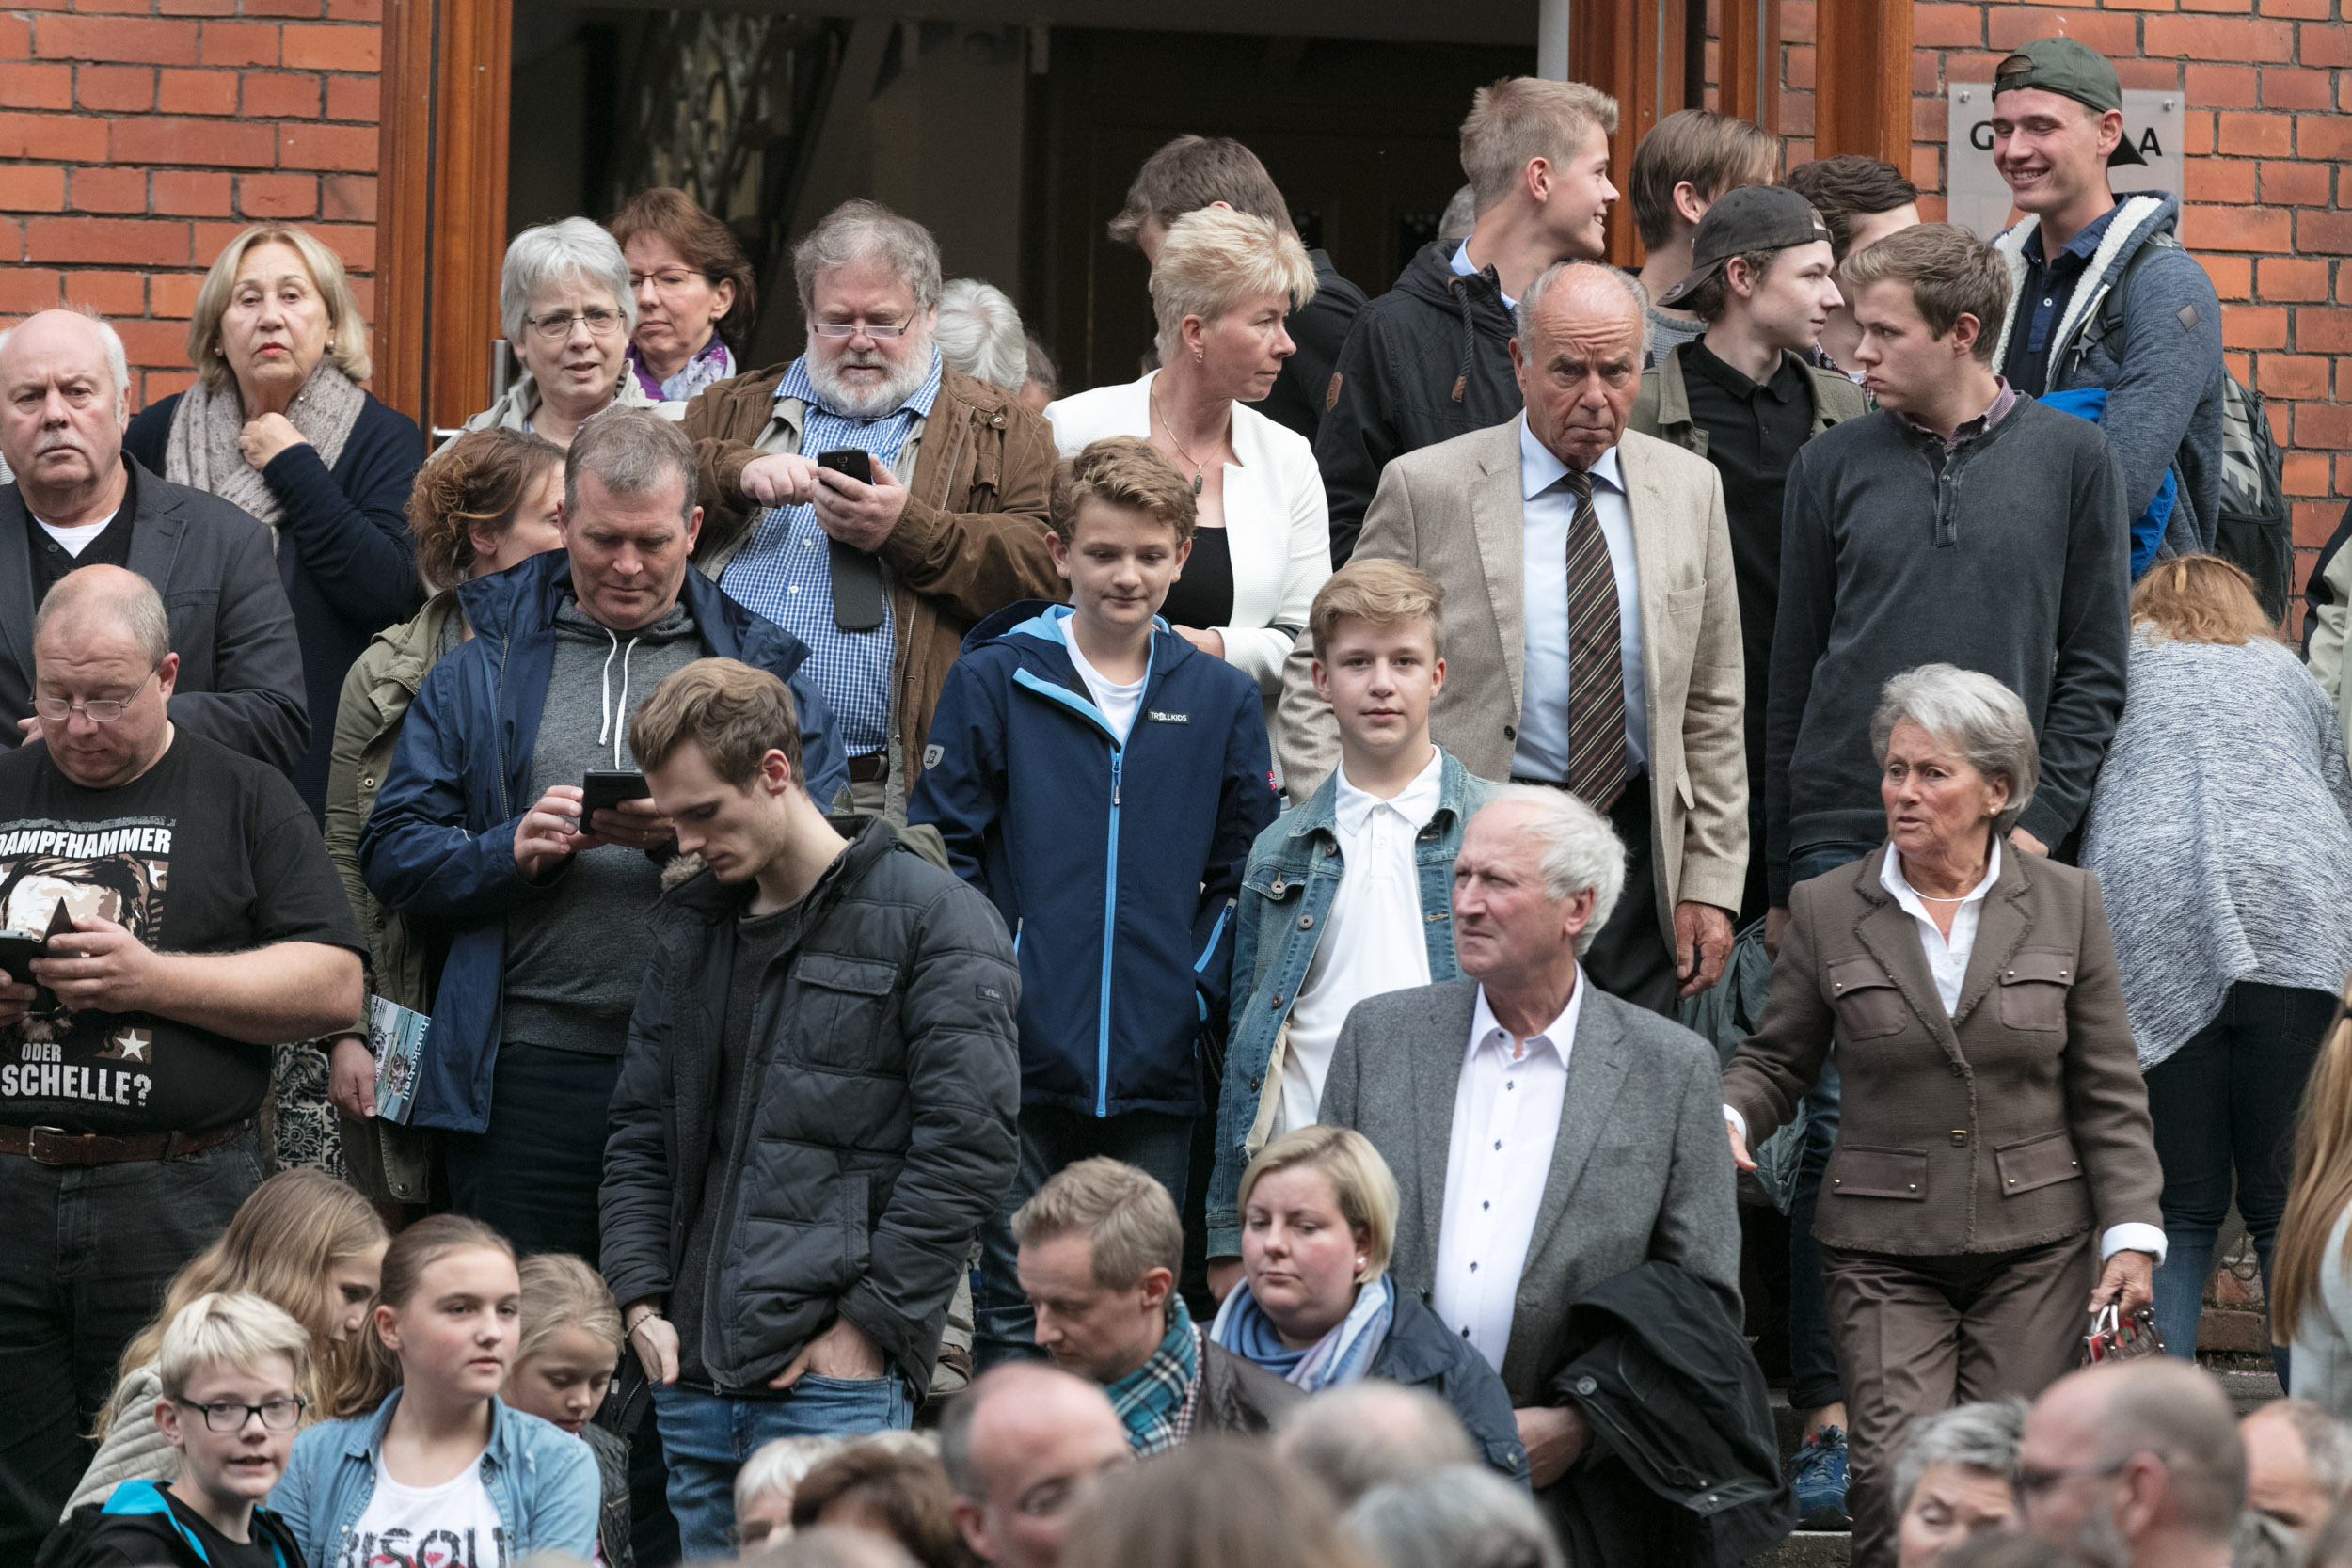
(1751, 218)
(2072, 69)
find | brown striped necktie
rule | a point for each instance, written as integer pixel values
(1597, 746)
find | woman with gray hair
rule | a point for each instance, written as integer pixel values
(1957, 1479)
(565, 305)
(979, 334)
(1456, 1517)
(1221, 286)
(1994, 1175)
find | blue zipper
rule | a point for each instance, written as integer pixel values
(1110, 929)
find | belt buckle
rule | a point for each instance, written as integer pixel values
(32, 1136)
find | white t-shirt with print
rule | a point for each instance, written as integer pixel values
(1119, 702)
(453, 1524)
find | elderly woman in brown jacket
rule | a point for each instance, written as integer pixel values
(1994, 1145)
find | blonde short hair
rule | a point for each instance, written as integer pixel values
(1523, 117)
(1215, 261)
(1381, 592)
(1128, 1219)
(559, 1292)
(218, 1330)
(1715, 152)
(346, 334)
(1124, 471)
(1360, 1180)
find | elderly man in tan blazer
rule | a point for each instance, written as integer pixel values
(1592, 628)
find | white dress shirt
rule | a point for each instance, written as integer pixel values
(1548, 510)
(1373, 938)
(1506, 1117)
(1948, 965)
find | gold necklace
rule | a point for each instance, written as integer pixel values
(1199, 469)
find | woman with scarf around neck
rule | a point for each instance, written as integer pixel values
(694, 291)
(278, 423)
(1316, 1305)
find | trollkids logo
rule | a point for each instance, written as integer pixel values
(1161, 716)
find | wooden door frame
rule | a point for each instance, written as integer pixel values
(1862, 99)
(441, 192)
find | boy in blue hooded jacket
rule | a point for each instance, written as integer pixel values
(1101, 781)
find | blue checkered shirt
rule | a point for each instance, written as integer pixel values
(785, 572)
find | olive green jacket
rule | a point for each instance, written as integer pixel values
(1663, 406)
(380, 685)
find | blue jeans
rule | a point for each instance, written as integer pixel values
(85, 1255)
(706, 1438)
(2226, 1100)
(1003, 1327)
(1812, 1358)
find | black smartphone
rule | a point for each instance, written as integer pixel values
(18, 949)
(859, 603)
(853, 461)
(603, 789)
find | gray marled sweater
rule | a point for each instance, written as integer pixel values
(2222, 831)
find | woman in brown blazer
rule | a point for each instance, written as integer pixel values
(1995, 1143)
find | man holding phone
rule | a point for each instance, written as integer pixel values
(481, 824)
(869, 499)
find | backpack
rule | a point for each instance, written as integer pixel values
(2255, 530)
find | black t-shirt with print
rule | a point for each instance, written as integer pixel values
(208, 851)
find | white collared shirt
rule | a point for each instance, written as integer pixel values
(1948, 965)
(1506, 1117)
(1948, 957)
(1372, 941)
(1548, 510)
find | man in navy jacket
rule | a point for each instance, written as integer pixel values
(1101, 781)
(478, 824)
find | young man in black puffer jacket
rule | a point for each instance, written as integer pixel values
(816, 1107)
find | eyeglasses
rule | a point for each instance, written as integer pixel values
(850, 329)
(229, 1415)
(556, 327)
(667, 282)
(2032, 1483)
(57, 710)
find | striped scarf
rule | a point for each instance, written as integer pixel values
(1157, 1400)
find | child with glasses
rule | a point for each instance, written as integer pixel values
(230, 1366)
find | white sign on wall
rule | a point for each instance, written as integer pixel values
(1979, 197)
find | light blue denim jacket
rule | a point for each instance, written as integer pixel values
(541, 1478)
(1293, 877)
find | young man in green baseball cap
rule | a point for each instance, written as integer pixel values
(2103, 296)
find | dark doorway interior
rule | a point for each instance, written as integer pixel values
(1361, 135)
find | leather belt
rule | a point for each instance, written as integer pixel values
(870, 768)
(55, 1146)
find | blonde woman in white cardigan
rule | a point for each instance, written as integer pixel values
(1220, 287)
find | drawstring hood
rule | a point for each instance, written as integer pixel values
(606, 723)
(1459, 289)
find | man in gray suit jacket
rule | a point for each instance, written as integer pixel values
(1592, 627)
(1545, 1135)
(78, 500)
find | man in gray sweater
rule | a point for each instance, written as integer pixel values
(1960, 524)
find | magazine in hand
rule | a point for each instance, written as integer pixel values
(396, 1035)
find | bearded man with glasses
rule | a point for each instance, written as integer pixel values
(2135, 1464)
(191, 921)
(881, 574)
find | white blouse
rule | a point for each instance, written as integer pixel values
(1277, 525)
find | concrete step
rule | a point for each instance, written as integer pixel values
(1808, 1549)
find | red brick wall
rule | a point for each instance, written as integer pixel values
(137, 136)
(2267, 84)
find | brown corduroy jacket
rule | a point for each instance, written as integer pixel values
(2019, 1120)
(971, 541)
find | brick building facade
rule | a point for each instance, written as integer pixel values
(137, 136)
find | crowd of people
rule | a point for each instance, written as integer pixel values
(999, 1040)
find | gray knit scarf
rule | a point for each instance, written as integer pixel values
(201, 451)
